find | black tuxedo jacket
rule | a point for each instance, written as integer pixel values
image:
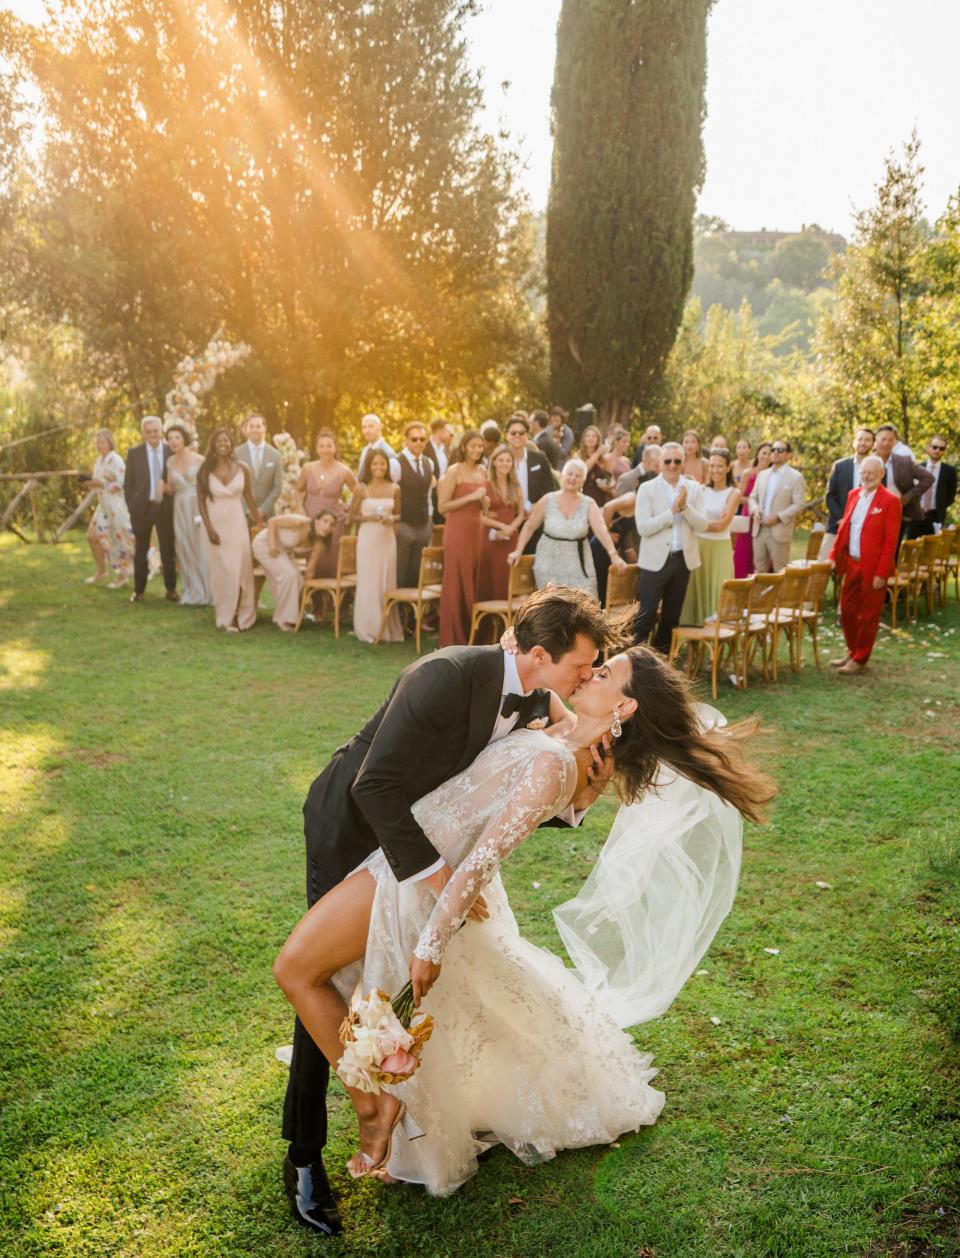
(550, 448)
(838, 490)
(539, 477)
(430, 450)
(435, 722)
(946, 493)
(136, 483)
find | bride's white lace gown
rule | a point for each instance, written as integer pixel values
(522, 1054)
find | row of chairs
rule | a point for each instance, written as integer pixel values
(925, 567)
(757, 611)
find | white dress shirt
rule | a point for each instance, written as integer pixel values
(676, 538)
(522, 468)
(855, 484)
(773, 483)
(929, 500)
(155, 463)
(443, 457)
(857, 519)
(256, 455)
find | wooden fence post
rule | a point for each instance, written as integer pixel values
(28, 488)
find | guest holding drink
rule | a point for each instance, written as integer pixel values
(321, 484)
(500, 521)
(719, 504)
(375, 510)
(462, 498)
(224, 485)
(110, 535)
(743, 543)
(694, 464)
(274, 549)
(180, 483)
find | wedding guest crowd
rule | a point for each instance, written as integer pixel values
(689, 516)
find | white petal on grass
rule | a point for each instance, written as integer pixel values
(715, 1021)
(773, 952)
(824, 886)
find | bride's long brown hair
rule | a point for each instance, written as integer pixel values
(666, 729)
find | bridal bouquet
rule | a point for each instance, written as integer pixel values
(381, 1043)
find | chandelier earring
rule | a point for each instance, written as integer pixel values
(616, 729)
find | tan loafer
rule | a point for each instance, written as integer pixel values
(850, 669)
(839, 663)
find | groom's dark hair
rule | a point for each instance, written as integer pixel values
(554, 616)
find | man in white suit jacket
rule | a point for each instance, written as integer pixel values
(778, 496)
(264, 462)
(669, 516)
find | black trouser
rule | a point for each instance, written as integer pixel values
(601, 564)
(669, 584)
(305, 1103)
(411, 539)
(157, 516)
(922, 528)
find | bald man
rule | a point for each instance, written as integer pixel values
(865, 553)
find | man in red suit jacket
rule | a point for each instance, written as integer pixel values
(865, 553)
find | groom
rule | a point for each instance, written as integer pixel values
(443, 710)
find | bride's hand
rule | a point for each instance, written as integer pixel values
(439, 879)
(423, 975)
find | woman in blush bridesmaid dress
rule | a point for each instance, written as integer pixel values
(322, 483)
(183, 468)
(224, 484)
(375, 508)
(461, 499)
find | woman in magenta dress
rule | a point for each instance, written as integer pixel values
(743, 542)
(322, 483)
(461, 498)
(501, 521)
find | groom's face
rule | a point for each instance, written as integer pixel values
(567, 673)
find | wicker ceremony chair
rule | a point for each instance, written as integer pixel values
(420, 598)
(335, 588)
(724, 631)
(520, 584)
(818, 578)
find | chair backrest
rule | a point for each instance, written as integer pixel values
(929, 549)
(347, 557)
(622, 587)
(814, 544)
(733, 602)
(818, 578)
(793, 588)
(908, 559)
(956, 541)
(521, 581)
(765, 594)
(946, 544)
(431, 566)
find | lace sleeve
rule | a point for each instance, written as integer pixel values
(545, 784)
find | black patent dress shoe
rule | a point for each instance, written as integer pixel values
(172, 596)
(311, 1198)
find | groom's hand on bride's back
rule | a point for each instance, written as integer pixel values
(439, 879)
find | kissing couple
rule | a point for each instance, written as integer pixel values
(406, 829)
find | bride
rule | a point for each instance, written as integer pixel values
(525, 1052)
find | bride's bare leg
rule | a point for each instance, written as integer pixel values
(331, 935)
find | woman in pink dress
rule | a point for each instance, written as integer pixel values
(223, 486)
(461, 498)
(694, 464)
(743, 542)
(500, 521)
(322, 483)
(375, 510)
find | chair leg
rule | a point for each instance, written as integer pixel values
(674, 648)
(474, 626)
(303, 608)
(418, 621)
(715, 653)
(387, 608)
(813, 635)
(774, 649)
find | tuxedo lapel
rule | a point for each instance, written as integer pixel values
(484, 703)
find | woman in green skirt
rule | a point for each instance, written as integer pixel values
(719, 503)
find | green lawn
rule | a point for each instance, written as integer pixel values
(151, 777)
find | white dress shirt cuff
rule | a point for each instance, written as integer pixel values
(572, 816)
(424, 873)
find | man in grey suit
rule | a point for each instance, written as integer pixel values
(264, 462)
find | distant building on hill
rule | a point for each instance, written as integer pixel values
(762, 241)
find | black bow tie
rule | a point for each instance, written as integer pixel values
(531, 707)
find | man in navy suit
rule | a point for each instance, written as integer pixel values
(844, 476)
(940, 496)
(150, 508)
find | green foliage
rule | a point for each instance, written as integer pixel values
(628, 109)
(314, 178)
(867, 341)
(151, 864)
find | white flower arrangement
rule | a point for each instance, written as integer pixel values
(381, 1042)
(195, 376)
(291, 459)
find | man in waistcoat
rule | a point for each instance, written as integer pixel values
(418, 476)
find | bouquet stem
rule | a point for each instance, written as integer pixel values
(403, 1005)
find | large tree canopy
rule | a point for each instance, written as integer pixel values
(628, 110)
(310, 174)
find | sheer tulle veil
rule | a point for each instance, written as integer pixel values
(663, 883)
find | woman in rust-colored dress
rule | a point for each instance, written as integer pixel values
(461, 498)
(501, 522)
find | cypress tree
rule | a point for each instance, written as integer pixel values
(628, 110)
